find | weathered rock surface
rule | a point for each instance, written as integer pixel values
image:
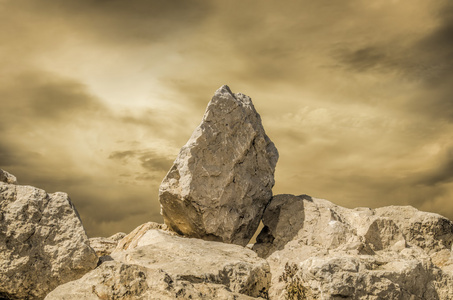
(116, 280)
(196, 260)
(159, 265)
(103, 246)
(222, 179)
(6, 177)
(42, 242)
(319, 250)
(138, 236)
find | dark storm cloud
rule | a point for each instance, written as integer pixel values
(440, 41)
(123, 155)
(426, 61)
(443, 173)
(136, 21)
(32, 104)
(437, 51)
(11, 156)
(364, 59)
(109, 208)
(149, 159)
(32, 96)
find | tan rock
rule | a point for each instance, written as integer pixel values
(196, 260)
(103, 246)
(133, 239)
(116, 280)
(222, 179)
(160, 265)
(318, 250)
(6, 177)
(42, 242)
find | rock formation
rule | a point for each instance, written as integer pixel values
(115, 280)
(318, 250)
(103, 246)
(135, 238)
(217, 191)
(159, 265)
(6, 177)
(222, 179)
(42, 241)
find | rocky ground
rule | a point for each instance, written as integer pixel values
(212, 200)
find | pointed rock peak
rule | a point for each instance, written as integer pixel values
(225, 101)
(224, 89)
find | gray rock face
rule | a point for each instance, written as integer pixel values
(319, 250)
(159, 265)
(42, 242)
(222, 179)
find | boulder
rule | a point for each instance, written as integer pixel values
(6, 177)
(116, 280)
(222, 179)
(159, 265)
(196, 260)
(42, 242)
(319, 250)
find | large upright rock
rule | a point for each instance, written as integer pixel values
(319, 250)
(222, 179)
(42, 242)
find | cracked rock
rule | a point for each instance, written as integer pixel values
(42, 242)
(319, 250)
(7, 177)
(222, 179)
(156, 264)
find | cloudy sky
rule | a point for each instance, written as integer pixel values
(98, 96)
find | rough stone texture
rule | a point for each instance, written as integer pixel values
(195, 260)
(7, 177)
(319, 250)
(222, 179)
(42, 242)
(116, 280)
(135, 238)
(104, 246)
(159, 265)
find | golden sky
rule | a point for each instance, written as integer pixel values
(98, 96)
